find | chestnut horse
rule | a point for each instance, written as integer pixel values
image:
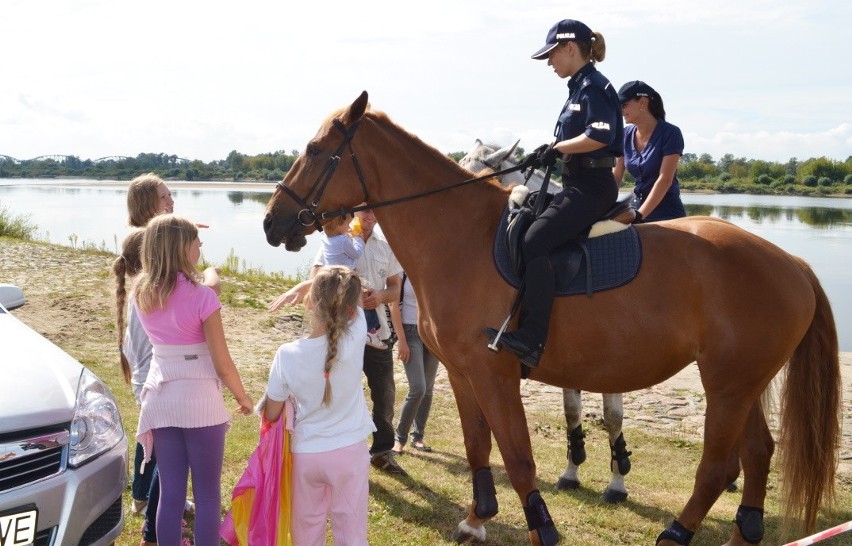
(707, 291)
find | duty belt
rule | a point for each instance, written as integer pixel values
(596, 162)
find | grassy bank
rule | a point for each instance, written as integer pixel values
(70, 300)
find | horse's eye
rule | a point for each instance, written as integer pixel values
(312, 150)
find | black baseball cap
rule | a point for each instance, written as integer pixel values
(635, 89)
(565, 30)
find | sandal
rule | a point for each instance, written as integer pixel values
(398, 448)
(420, 446)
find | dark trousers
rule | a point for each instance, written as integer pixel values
(378, 367)
(147, 487)
(584, 200)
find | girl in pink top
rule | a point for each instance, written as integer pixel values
(183, 415)
(322, 374)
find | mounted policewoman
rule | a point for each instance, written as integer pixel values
(589, 135)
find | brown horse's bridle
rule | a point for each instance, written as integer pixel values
(308, 216)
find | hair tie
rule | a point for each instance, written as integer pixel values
(325, 374)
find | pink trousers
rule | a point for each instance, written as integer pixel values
(332, 484)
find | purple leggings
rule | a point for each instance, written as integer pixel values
(180, 450)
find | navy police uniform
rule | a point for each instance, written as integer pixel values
(589, 190)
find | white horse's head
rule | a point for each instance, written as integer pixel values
(491, 156)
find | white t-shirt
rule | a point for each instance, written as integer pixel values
(409, 303)
(375, 265)
(297, 371)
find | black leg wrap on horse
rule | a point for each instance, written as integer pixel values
(677, 533)
(750, 523)
(620, 455)
(484, 493)
(577, 445)
(539, 520)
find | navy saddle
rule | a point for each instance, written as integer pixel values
(581, 266)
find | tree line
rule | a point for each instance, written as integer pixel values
(728, 174)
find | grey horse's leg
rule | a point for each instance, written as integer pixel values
(573, 407)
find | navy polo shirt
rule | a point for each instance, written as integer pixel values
(592, 108)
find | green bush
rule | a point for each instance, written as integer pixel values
(847, 179)
(19, 227)
(789, 179)
(810, 181)
(825, 181)
(764, 179)
(724, 177)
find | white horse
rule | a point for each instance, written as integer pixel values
(489, 156)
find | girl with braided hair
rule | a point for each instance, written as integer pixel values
(321, 373)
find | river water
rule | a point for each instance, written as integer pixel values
(89, 212)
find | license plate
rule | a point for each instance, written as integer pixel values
(18, 528)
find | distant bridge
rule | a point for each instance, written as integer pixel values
(63, 158)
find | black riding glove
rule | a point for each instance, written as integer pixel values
(547, 156)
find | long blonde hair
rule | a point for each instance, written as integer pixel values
(164, 254)
(334, 296)
(128, 263)
(143, 199)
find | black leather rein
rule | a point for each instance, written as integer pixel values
(308, 216)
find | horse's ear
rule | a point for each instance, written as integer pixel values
(356, 109)
(501, 155)
(514, 146)
(477, 144)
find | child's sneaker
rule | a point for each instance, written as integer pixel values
(374, 341)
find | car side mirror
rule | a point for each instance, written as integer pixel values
(11, 296)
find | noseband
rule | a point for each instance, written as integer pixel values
(307, 215)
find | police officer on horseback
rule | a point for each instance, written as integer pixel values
(588, 135)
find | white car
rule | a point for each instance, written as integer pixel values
(63, 450)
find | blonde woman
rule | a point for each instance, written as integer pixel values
(183, 416)
(322, 374)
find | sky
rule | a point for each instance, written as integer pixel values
(759, 79)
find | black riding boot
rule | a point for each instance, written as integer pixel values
(527, 342)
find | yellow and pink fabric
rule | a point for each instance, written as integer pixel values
(260, 503)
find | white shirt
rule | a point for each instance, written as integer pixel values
(376, 264)
(409, 303)
(297, 372)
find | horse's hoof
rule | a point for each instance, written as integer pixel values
(466, 534)
(732, 487)
(565, 484)
(612, 496)
(545, 536)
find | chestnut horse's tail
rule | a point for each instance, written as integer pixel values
(810, 415)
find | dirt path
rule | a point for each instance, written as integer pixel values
(70, 301)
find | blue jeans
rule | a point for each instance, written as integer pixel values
(372, 318)
(378, 367)
(142, 482)
(420, 369)
(147, 487)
